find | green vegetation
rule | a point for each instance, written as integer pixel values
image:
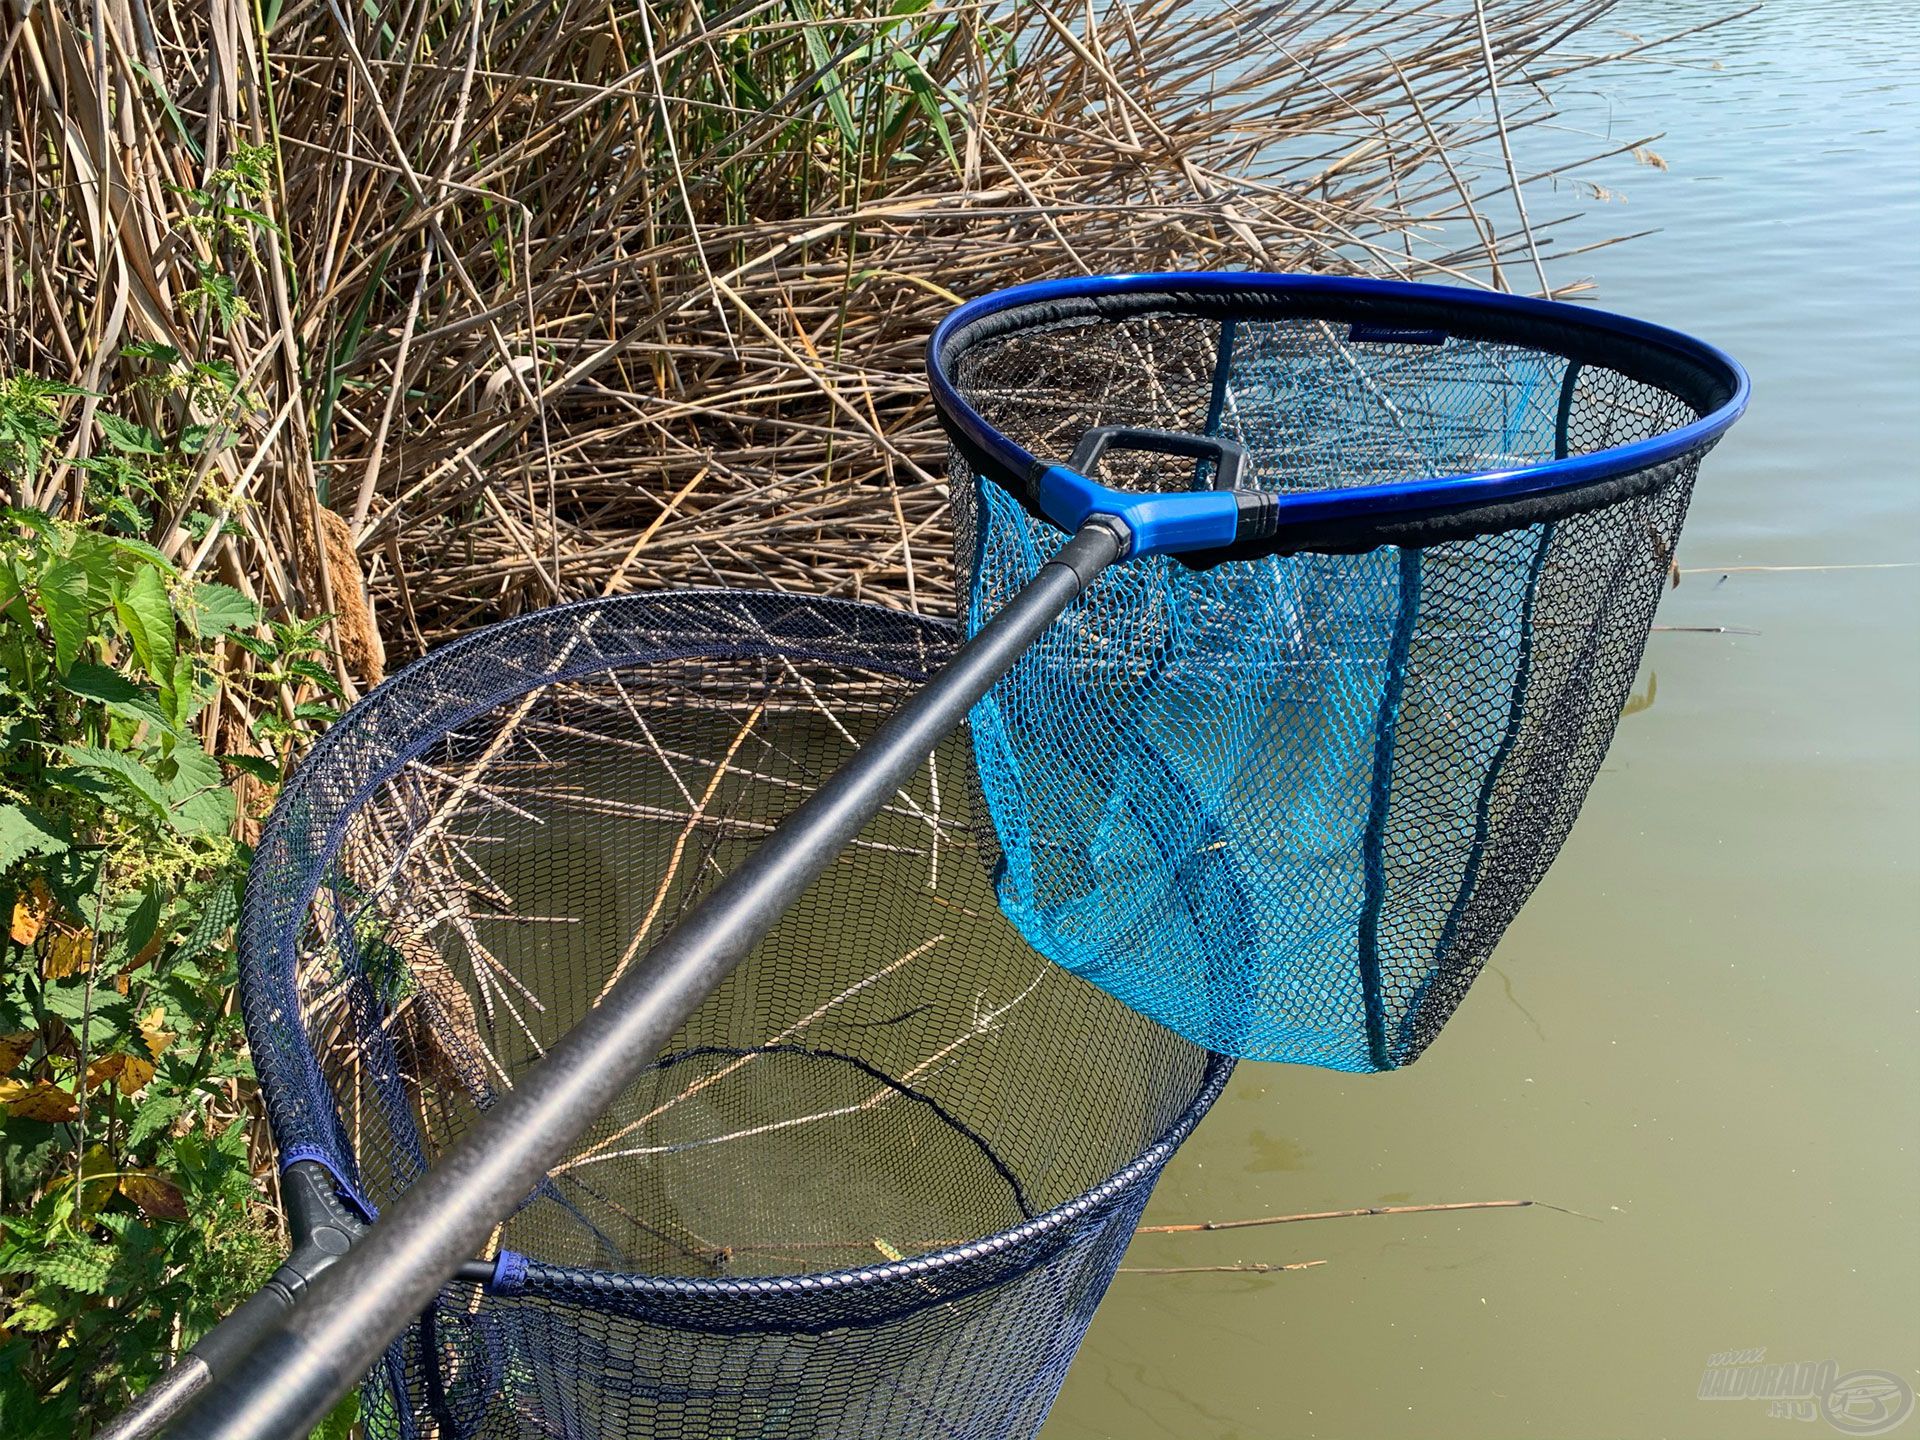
(130, 1220)
(127, 1205)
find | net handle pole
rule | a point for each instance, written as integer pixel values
(304, 1358)
(322, 1230)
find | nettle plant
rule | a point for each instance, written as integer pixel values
(130, 1220)
(128, 1216)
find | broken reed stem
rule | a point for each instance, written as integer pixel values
(599, 1147)
(1355, 1214)
(1248, 1269)
(720, 773)
(927, 1245)
(1796, 569)
(1506, 147)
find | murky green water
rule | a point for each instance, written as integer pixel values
(1701, 1034)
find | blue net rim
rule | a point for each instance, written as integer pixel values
(310, 820)
(871, 1294)
(1357, 518)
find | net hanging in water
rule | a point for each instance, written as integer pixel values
(880, 1180)
(1285, 791)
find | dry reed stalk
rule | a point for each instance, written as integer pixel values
(1256, 1268)
(693, 822)
(599, 1149)
(1355, 1214)
(633, 297)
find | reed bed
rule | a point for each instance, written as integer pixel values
(526, 303)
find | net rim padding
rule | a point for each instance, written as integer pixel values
(273, 911)
(1411, 512)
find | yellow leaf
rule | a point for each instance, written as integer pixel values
(129, 1072)
(153, 1030)
(134, 1074)
(30, 912)
(11, 1088)
(43, 1100)
(147, 951)
(887, 1250)
(97, 1178)
(106, 1068)
(14, 1048)
(69, 952)
(155, 1194)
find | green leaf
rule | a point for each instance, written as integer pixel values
(829, 80)
(258, 766)
(138, 927)
(197, 798)
(100, 682)
(213, 918)
(128, 547)
(28, 1149)
(63, 594)
(153, 1117)
(339, 1425)
(180, 695)
(193, 770)
(118, 694)
(125, 771)
(147, 615)
(218, 609)
(152, 350)
(23, 833)
(254, 646)
(33, 1318)
(82, 1270)
(316, 674)
(929, 94)
(129, 438)
(253, 217)
(37, 521)
(217, 293)
(220, 372)
(106, 1014)
(98, 558)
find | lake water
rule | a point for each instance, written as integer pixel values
(1701, 1033)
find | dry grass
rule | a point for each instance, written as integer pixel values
(581, 297)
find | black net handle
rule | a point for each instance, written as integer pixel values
(281, 1373)
(1229, 457)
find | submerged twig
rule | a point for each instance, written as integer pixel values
(1255, 1268)
(1439, 1208)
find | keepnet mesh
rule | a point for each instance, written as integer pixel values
(1288, 805)
(875, 1186)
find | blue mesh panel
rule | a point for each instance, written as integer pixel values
(1287, 805)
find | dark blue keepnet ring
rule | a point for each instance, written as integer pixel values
(1206, 525)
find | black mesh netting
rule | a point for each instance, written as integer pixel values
(1288, 804)
(878, 1183)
